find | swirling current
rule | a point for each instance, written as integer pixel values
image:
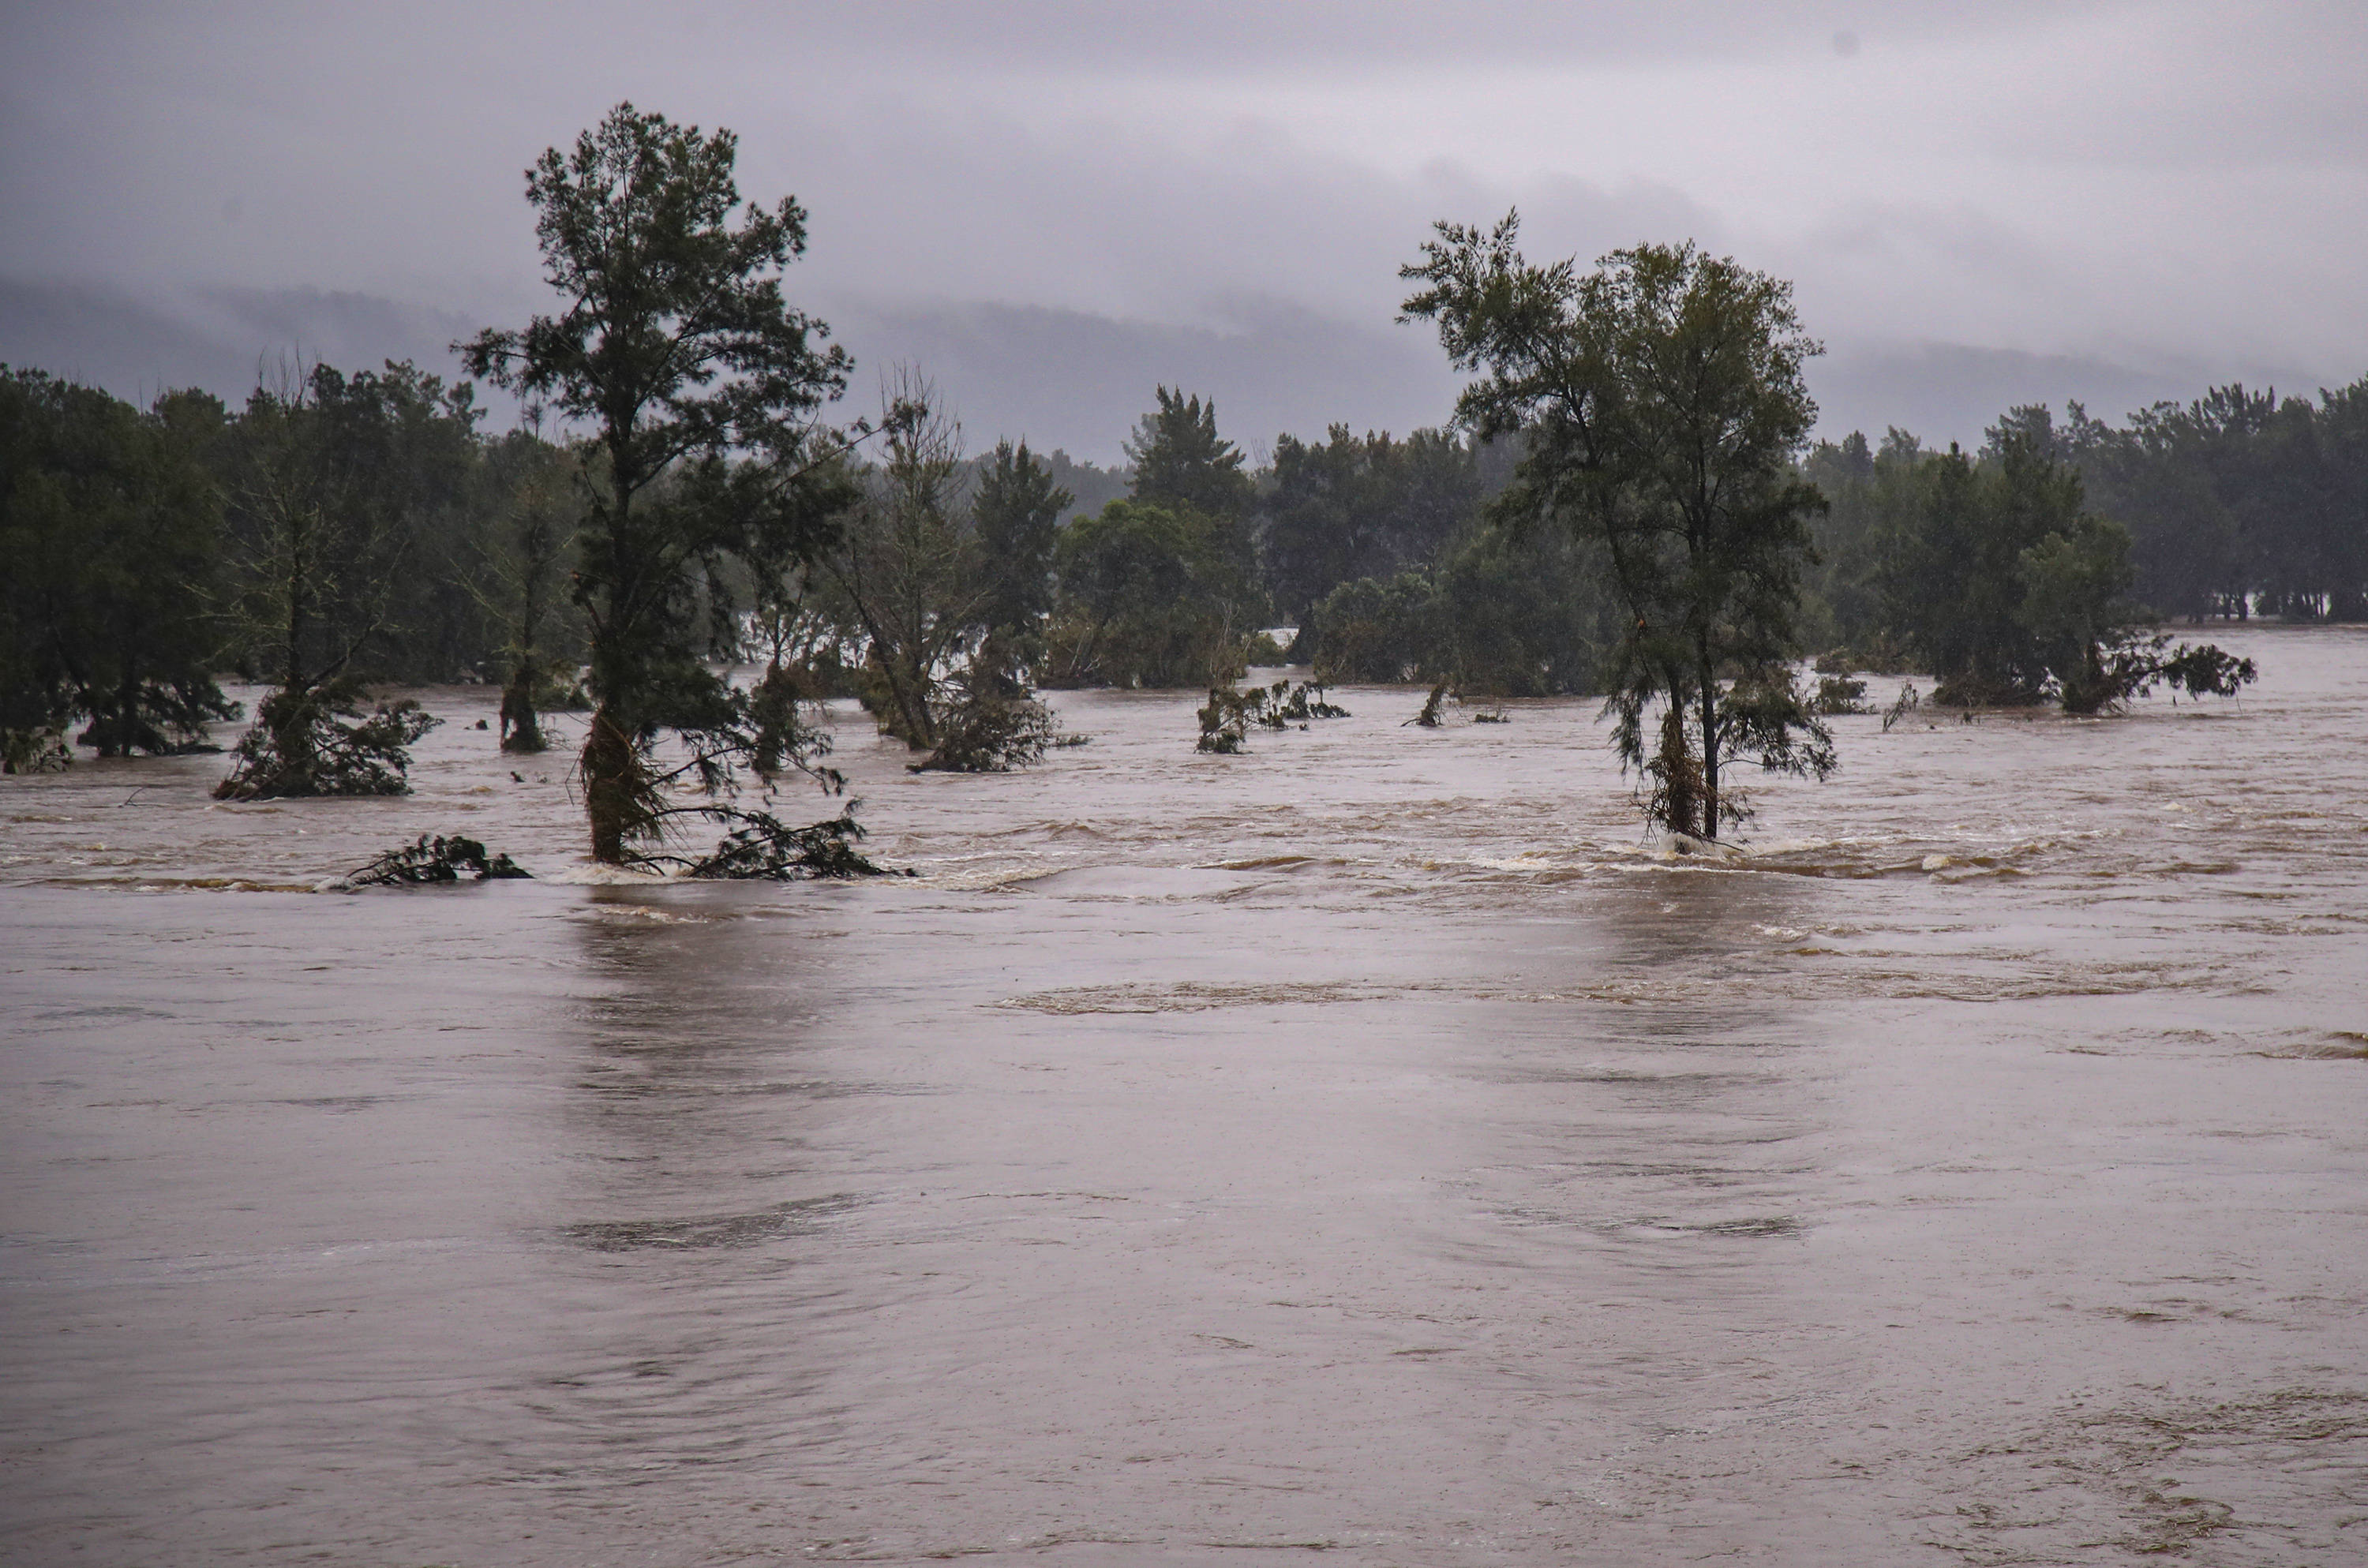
(1371, 1146)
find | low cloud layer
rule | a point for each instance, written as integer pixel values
(1053, 212)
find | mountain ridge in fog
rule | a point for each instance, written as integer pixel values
(1066, 379)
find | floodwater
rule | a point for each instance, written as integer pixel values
(1371, 1144)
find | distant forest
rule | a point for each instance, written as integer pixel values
(365, 528)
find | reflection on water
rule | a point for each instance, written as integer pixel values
(1368, 1143)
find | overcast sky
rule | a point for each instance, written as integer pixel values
(1052, 207)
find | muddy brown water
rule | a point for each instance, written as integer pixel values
(1371, 1144)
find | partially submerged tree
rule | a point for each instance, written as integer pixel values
(1151, 594)
(1018, 514)
(521, 555)
(1230, 713)
(2007, 589)
(322, 540)
(906, 569)
(431, 860)
(676, 345)
(941, 591)
(1661, 402)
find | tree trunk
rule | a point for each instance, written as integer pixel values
(521, 730)
(1710, 742)
(610, 794)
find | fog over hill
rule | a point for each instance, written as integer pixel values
(1058, 379)
(1057, 209)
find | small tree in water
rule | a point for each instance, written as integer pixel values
(321, 543)
(1662, 404)
(677, 346)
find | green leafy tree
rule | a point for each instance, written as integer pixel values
(1180, 460)
(2010, 590)
(1661, 400)
(1362, 506)
(518, 554)
(1150, 596)
(676, 345)
(1017, 510)
(111, 533)
(905, 571)
(327, 481)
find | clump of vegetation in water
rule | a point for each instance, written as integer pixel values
(435, 860)
(1491, 716)
(318, 741)
(1430, 718)
(35, 750)
(763, 847)
(1224, 721)
(1283, 703)
(1227, 719)
(2131, 665)
(988, 720)
(1840, 693)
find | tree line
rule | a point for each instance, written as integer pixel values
(1628, 505)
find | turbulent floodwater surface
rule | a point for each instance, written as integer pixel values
(1369, 1144)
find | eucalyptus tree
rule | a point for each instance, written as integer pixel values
(1661, 404)
(701, 386)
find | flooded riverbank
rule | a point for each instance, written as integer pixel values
(1370, 1143)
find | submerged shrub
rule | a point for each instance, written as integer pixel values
(38, 750)
(1840, 693)
(320, 741)
(990, 722)
(435, 860)
(764, 846)
(1227, 719)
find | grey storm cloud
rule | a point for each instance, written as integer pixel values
(1051, 207)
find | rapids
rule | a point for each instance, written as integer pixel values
(1371, 1143)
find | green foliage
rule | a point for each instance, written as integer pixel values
(1997, 578)
(317, 740)
(1873, 499)
(1017, 512)
(519, 557)
(350, 496)
(675, 344)
(427, 860)
(2235, 500)
(1840, 693)
(765, 847)
(908, 584)
(1228, 716)
(110, 532)
(1362, 509)
(1507, 613)
(1149, 595)
(1181, 462)
(1661, 400)
(1372, 629)
(986, 719)
(1526, 613)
